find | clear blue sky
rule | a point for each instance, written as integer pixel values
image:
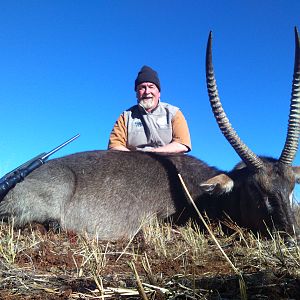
(68, 67)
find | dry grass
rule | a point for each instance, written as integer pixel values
(161, 262)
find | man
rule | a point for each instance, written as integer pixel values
(151, 125)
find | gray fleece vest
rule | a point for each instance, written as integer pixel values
(149, 130)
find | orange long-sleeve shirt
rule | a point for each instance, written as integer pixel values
(180, 132)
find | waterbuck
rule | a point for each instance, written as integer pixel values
(110, 192)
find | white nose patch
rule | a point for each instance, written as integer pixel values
(291, 198)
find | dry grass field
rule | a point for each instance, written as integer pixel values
(160, 262)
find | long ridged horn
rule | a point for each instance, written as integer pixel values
(249, 158)
(291, 144)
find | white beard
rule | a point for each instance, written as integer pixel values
(147, 103)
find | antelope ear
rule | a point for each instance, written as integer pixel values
(219, 184)
(297, 173)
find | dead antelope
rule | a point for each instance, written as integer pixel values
(110, 192)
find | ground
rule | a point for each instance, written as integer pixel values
(161, 262)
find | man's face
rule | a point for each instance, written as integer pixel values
(148, 95)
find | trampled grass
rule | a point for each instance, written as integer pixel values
(161, 262)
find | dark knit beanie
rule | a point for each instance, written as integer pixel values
(146, 74)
